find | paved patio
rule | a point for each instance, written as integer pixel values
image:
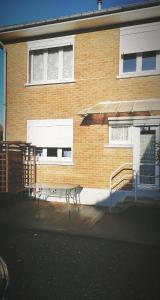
(130, 222)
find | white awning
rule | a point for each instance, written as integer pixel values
(130, 107)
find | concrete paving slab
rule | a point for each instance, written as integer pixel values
(50, 215)
(138, 223)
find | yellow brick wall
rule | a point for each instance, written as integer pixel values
(96, 70)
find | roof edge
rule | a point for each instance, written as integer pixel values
(79, 16)
(96, 19)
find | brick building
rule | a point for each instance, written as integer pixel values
(85, 90)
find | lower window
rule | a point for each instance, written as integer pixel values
(53, 139)
(119, 135)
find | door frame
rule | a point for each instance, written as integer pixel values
(136, 154)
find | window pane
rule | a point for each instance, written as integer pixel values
(53, 62)
(38, 66)
(149, 61)
(129, 63)
(52, 152)
(147, 156)
(119, 133)
(67, 62)
(39, 152)
(66, 152)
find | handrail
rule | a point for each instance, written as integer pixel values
(134, 176)
(115, 173)
(118, 170)
(119, 181)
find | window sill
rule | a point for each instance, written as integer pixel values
(49, 83)
(142, 74)
(118, 146)
(56, 163)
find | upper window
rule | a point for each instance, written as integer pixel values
(140, 50)
(51, 61)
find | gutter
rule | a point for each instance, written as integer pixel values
(83, 21)
(4, 89)
(82, 16)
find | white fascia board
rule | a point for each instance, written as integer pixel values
(135, 121)
(83, 23)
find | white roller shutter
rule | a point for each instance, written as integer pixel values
(140, 38)
(50, 133)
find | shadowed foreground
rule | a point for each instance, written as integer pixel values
(129, 222)
(50, 266)
(47, 265)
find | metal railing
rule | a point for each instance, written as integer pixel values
(133, 180)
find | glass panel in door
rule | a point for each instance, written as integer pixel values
(147, 156)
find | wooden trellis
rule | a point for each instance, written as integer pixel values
(17, 166)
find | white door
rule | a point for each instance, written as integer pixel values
(144, 155)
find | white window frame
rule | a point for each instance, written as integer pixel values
(44, 45)
(120, 142)
(139, 71)
(58, 158)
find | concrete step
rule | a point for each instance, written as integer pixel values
(129, 201)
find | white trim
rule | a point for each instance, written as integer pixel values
(45, 61)
(135, 121)
(28, 66)
(131, 75)
(135, 117)
(138, 63)
(118, 146)
(56, 163)
(30, 71)
(50, 122)
(54, 160)
(49, 82)
(60, 65)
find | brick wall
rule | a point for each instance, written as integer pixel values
(96, 70)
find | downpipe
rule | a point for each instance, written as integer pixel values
(4, 89)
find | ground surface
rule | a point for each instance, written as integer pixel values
(105, 256)
(47, 265)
